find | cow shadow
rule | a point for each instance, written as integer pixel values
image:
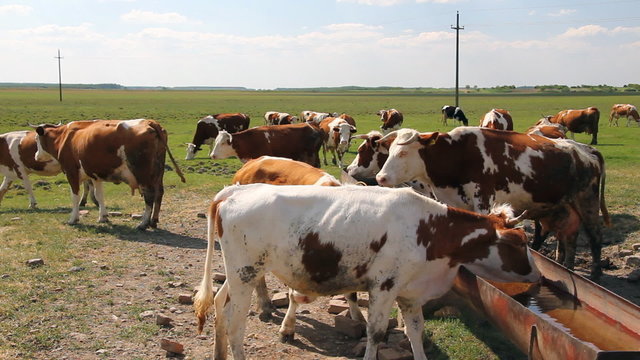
(153, 236)
(622, 225)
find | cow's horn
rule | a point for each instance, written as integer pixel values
(513, 222)
(414, 137)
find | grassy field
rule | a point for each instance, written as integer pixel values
(41, 307)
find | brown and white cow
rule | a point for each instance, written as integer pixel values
(209, 126)
(498, 119)
(315, 116)
(412, 259)
(453, 112)
(295, 141)
(391, 120)
(337, 138)
(579, 121)
(370, 157)
(17, 161)
(129, 151)
(559, 182)
(548, 129)
(625, 111)
(279, 118)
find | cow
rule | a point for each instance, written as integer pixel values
(279, 118)
(547, 129)
(283, 171)
(498, 119)
(370, 157)
(314, 116)
(129, 151)
(337, 137)
(295, 141)
(209, 126)
(391, 120)
(559, 182)
(624, 110)
(453, 112)
(578, 121)
(17, 161)
(412, 259)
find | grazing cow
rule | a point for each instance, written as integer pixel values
(453, 112)
(412, 259)
(498, 119)
(209, 126)
(370, 158)
(314, 116)
(129, 151)
(337, 137)
(578, 121)
(559, 182)
(391, 120)
(624, 110)
(296, 141)
(278, 118)
(17, 161)
(283, 171)
(548, 129)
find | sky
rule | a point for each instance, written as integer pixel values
(267, 44)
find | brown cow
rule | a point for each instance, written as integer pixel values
(548, 129)
(209, 126)
(624, 110)
(295, 141)
(391, 120)
(578, 121)
(498, 119)
(129, 151)
(279, 118)
(559, 182)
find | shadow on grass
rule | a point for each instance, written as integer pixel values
(153, 236)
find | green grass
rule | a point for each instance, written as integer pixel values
(32, 299)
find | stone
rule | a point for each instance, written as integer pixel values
(633, 261)
(636, 247)
(175, 284)
(625, 253)
(171, 346)
(392, 353)
(76, 269)
(83, 212)
(115, 213)
(280, 299)
(363, 300)
(163, 320)
(146, 314)
(4, 276)
(201, 215)
(393, 323)
(17, 218)
(360, 348)
(136, 216)
(352, 328)
(101, 352)
(219, 277)
(35, 262)
(185, 299)
(337, 306)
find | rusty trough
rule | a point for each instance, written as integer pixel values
(566, 317)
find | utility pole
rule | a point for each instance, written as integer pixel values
(59, 74)
(457, 28)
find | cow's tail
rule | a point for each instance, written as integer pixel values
(159, 130)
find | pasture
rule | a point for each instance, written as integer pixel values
(86, 301)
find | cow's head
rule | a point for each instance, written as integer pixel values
(370, 157)
(222, 147)
(191, 151)
(404, 163)
(46, 135)
(508, 258)
(341, 132)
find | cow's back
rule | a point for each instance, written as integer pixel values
(281, 171)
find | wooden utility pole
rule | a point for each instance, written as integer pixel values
(59, 74)
(457, 28)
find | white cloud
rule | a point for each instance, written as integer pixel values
(562, 12)
(584, 31)
(374, 2)
(15, 9)
(149, 17)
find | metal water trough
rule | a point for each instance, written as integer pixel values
(566, 317)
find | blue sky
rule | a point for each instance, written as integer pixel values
(305, 43)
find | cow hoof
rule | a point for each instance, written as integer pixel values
(265, 316)
(287, 338)
(142, 227)
(33, 206)
(154, 224)
(103, 220)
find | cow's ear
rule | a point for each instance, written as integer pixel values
(428, 139)
(40, 130)
(352, 129)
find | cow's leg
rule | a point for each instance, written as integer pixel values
(87, 191)
(593, 229)
(594, 138)
(567, 234)
(379, 308)
(539, 235)
(235, 309)
(264, 303)
(149, 199)
(288, 327)
(354, 310)
(324, 153)
(98, 190)
(74, 183)
(221, 337)
(334, 157)
(5, 187)
(157, 202)
(414, 325)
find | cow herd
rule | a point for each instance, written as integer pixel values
(471, 186)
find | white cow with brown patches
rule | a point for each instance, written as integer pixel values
(337, 137)
(498, 119)
(624, 111)
(413, 258)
